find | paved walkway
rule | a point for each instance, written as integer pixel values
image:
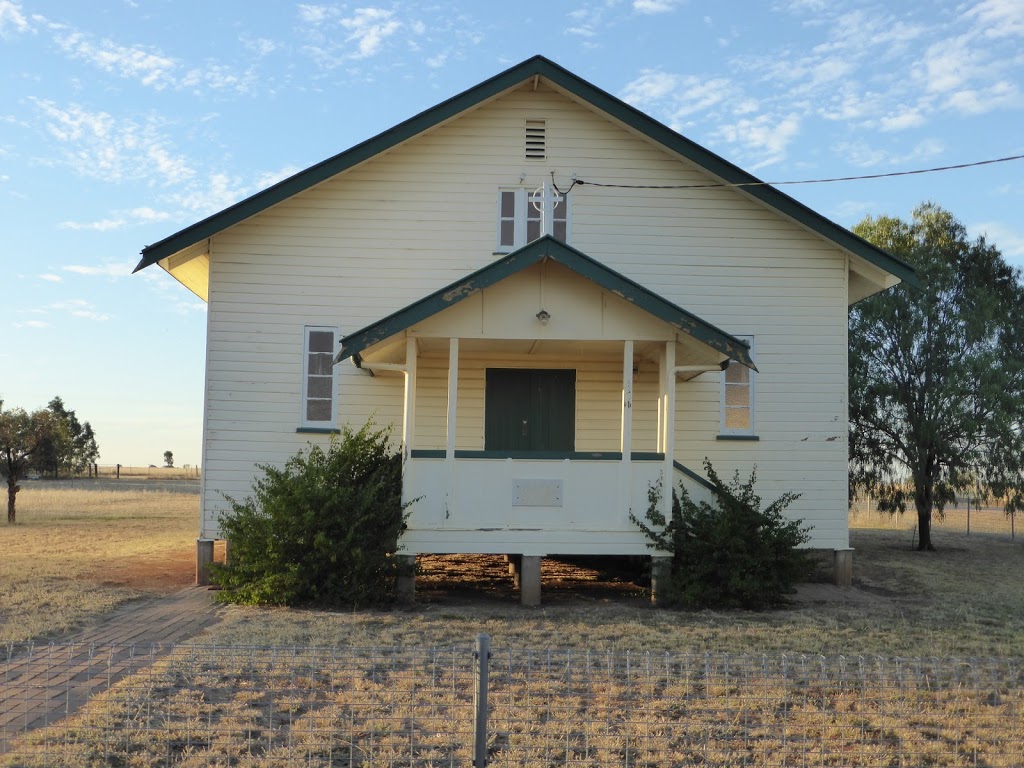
(45, 683)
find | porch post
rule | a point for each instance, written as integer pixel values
(409, 411)
(626, 443)
(453, 396)
(453, 403)
(669, 425)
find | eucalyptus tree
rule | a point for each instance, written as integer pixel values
(937, 374)
(22, 434)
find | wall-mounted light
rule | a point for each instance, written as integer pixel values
(543, 316)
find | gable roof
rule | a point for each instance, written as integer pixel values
(546, 248)
(537, 66)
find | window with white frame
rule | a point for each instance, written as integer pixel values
(738, 396)
(526, 214)
(319, 377)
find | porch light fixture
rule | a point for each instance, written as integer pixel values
(543, 316)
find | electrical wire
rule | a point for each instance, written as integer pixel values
(712, 185)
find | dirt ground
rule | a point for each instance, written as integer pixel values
(462, 579)
(169, 572)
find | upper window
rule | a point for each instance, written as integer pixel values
(319, 379)
(526, 214)
(738, 396)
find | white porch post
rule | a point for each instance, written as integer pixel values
(626, 443)
(409, 411)
(669, 426)
(453, 404)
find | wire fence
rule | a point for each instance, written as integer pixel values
(966, 517)
(216, 706)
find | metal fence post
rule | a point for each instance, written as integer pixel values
(483, 657)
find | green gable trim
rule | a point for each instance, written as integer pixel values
(545, 248)
(488, 89)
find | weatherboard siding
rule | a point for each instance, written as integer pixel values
(394, 229)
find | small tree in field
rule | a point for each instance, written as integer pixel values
(731, 554)
(322, 530)
(168, 459)
(21, 436)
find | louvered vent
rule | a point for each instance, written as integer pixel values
(536, 148)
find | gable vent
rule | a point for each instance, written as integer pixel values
(536, 148)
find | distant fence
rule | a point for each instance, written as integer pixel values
(965, 517)
(126, 471)
(214, 706)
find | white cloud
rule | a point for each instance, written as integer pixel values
(32, 324)
(11, 17)
(51, 278)
(312, 14)
(655, 6)
(148, 214)
(98, 145)
(764, 138)
(1010, 242)
(103, 225)
(998, 18)
(906, 117)
(369, 28)
(110, 269)
(148, 67)
(948, 64)
(679, 96)
(81, 309)
(862, 155)
(977, 102)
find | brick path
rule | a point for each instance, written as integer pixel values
(43, 684)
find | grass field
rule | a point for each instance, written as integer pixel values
(75, 554)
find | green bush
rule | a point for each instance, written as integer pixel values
(729, 555)
(324, 529)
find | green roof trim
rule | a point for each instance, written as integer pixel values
(546, 248)
(537, 66)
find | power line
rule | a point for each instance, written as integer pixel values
(802, 181)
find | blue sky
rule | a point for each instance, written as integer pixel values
(123, 121)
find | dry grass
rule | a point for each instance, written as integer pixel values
(965, 600)
(74, 554)
(241, 705)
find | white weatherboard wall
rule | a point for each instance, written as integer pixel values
(388, 232)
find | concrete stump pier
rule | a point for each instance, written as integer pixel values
(529, 580)
(204, 556)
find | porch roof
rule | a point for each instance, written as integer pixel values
(540, 250)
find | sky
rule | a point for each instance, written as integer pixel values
(124, 121)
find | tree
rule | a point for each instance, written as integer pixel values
(21, 435)
(937, 375)
(168, 459)
(71, 446)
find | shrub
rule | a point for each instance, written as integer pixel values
(729, 555)
(324, 529)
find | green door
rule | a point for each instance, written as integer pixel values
(530, 410)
